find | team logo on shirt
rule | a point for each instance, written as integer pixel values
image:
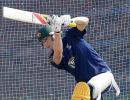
(68, 46)
(71, 62)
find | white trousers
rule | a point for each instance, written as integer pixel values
(102, 81)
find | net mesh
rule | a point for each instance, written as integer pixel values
(25, 73)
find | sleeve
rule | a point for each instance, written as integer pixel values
(64, 62)
(57, 66)
(63, 66)
(52, 62)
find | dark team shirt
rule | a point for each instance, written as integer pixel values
(79, 58)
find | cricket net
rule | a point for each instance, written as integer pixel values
(25, 73)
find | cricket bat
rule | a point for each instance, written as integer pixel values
(27, 16)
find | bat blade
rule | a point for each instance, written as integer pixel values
(25, 16)
(28, 17)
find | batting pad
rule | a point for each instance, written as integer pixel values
(81, 91)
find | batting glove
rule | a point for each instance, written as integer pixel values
(66, 19)
(56, 23)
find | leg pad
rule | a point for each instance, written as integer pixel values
(81, 91)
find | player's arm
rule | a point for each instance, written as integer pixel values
(81, 22)
(57, 46)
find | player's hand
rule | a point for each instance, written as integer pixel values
(56, 23)
(66, 19)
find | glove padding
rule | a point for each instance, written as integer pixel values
(66, 19)
(56, 23)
